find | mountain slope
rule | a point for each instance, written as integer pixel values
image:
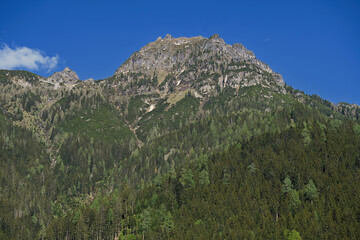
(181, 117)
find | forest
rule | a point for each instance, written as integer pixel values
(298, 182)
(90, 163)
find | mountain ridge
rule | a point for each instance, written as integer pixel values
(60, 78)
(169, 67)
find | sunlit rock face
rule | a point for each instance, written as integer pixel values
(204, 64)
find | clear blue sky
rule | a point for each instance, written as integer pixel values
(315, 45)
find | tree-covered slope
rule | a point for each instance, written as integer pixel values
(190, 138)
(298, 181)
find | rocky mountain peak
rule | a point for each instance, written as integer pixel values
(204, 62)
(67, 69)
(216, 38)
(168, 37)
(66, 76)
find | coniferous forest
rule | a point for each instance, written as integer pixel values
(143, 156)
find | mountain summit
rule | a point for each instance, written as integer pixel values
(199, 62)
(67, 76)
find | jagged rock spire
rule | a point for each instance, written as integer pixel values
(66, 76)
(168, 37)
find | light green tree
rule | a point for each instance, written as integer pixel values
(187, 178)
(357, 129)
(306, 136)
(252, 168)
(294, 199)
(145, 221)
(292, 235)
(287, 186)
(311, 192)
(204, 177)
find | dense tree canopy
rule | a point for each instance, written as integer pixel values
(89, 163)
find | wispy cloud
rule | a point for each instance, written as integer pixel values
(24, 57)
(267, 39)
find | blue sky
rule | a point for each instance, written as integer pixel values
(313, 44)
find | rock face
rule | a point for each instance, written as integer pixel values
(66, 78)
(350, 110)
(200, 63)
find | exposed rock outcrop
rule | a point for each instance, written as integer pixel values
(200, 63)
(67, 78)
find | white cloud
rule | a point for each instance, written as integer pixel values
(24, 57)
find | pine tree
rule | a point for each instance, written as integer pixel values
(311, 192)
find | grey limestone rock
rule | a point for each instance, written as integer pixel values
(199, 63)
(66, 76)
(168, 37)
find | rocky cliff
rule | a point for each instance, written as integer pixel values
(204, 64)
(66, 78)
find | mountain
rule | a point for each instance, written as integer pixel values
(190, 138)
(199, 63)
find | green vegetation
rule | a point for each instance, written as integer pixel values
(137, 107)
(27, 76)
(97, 162)
(280, 194)
(162, 118)
(103, 124)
